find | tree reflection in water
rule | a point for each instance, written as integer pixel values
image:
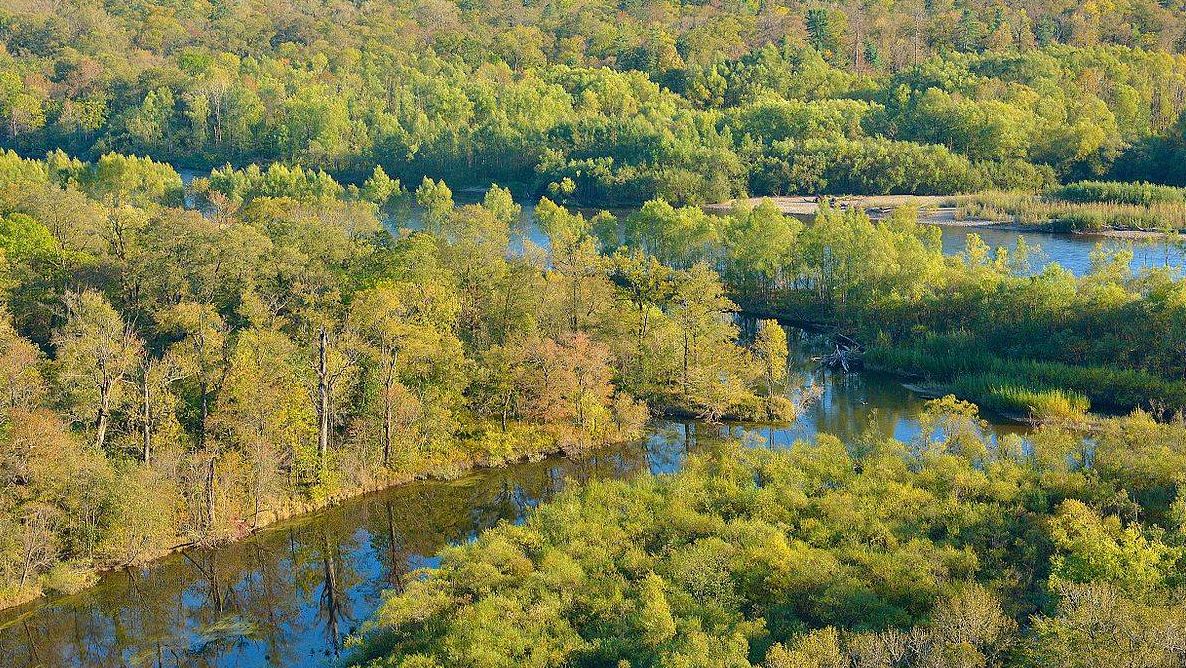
(290, 594)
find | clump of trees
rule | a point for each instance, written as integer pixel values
(1113, 336)
(169, 377)
(951, 549)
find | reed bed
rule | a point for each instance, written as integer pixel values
(1008, 397)
(1071, 209)
(1106, 388)
(1140, 193)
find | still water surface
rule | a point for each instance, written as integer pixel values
(288, 595)
(1070, 250)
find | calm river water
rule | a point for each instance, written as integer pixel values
(288, 595)
(1072, 251)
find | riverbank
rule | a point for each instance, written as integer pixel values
(286, 594)
(469, 455)
(932, 210)
(1024, 391)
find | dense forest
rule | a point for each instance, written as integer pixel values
(171, 378)
(950, 550)
(1001, 326)
(315, 314)
(613, 102)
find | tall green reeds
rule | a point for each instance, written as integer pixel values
(1080, 208)
(1010, 397)
(943, 360)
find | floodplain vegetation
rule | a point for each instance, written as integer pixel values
(953, 549)
(1083, 207)
(170, 378)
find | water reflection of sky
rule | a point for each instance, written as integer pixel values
(1071, 251)
(289, 594)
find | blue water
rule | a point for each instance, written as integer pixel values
(1072, 251)
(290, 594)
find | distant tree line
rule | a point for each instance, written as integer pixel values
(611, 104)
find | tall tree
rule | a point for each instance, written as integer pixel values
(96, 352)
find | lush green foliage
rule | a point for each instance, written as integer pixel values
(689, 101)
(951, 550)
(170, 377)
(1112, 336)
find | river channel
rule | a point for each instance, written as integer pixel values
(288, 595)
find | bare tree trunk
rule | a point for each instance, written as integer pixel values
(389, 406)
(576, 302)
(210, 493)
(686, 353)
(146, 422)
(104, 411)
(506, 410)
(322, 398)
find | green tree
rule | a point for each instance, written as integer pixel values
(96, 354)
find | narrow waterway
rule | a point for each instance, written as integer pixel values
(288, 595)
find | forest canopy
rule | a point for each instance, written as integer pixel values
(949, 550)
(615, 104)
(284, 349)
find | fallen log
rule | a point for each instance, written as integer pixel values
(844, 357)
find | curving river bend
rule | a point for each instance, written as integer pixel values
(288, 595)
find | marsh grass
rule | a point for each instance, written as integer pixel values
(1019, 382)
(1008, 397)
(1075, 207)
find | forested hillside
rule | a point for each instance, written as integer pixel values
(612, 102)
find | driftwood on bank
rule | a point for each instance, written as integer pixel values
(847, 355)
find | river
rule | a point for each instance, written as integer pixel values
(1072, 251)
(288, 595)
